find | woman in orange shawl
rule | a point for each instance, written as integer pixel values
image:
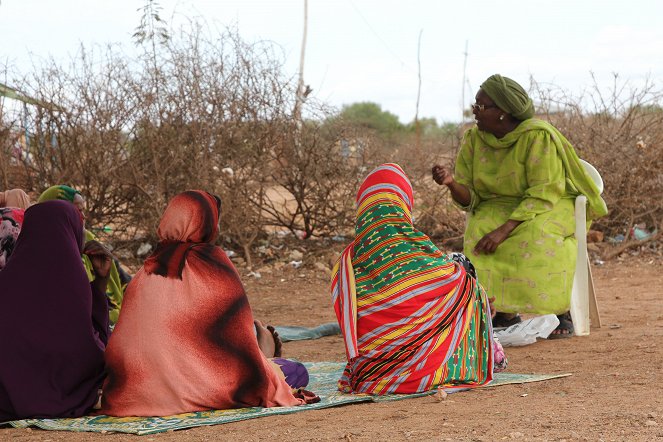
(186, 339)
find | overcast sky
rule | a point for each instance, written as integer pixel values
(366, 50)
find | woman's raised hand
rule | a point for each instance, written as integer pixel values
(100, 257)
(442, 175)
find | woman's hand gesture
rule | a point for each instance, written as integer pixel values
(100, 257)
(442, 175)
(489, 243)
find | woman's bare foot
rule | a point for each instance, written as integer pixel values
(278, 343)
(268, 340)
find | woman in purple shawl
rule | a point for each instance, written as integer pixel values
(53, 321)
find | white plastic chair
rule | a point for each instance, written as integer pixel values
(584, 308)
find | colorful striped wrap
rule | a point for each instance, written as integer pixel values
(412, 319)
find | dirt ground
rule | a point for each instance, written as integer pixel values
(615, 392)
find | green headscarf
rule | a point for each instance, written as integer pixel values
(59, 192)
(509, 96)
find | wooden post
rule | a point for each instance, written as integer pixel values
(301, 92)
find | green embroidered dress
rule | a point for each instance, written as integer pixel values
(531, 175)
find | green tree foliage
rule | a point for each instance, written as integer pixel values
(429, 128)
(371, 116)
(644, 109)
(152, 26)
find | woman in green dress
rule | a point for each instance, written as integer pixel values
(518, 177)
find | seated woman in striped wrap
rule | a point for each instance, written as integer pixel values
(412, 318)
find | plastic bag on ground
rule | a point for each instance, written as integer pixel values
(526, 332)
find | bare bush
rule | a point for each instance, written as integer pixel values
(435, 213)
(192, 112)
(622, 135)
(217, 113)
(317, 169)
(11, 136)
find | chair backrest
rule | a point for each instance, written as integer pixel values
(593, 174)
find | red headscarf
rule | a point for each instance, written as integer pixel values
(180, 233)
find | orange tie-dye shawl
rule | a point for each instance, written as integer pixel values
(185, 340)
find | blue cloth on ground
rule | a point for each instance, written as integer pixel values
(294, 333)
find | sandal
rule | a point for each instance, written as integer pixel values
(565, 327)
(278, 343)
(503, 320)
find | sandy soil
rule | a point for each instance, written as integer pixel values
(614, 394)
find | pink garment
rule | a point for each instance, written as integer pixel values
(11, 220)
(500, 362)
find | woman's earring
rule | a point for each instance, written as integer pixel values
(502, 117)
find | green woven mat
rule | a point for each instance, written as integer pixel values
(323, 382)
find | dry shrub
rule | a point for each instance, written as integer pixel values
(11, 170)
(217, 113)
(434, 211)
(131, 134)
(622, 135)
(319, 172)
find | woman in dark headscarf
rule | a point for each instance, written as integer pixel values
(53, 321)
(518, 177)
(186, 339)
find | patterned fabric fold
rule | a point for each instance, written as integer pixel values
(58, 192)
(412, 319)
